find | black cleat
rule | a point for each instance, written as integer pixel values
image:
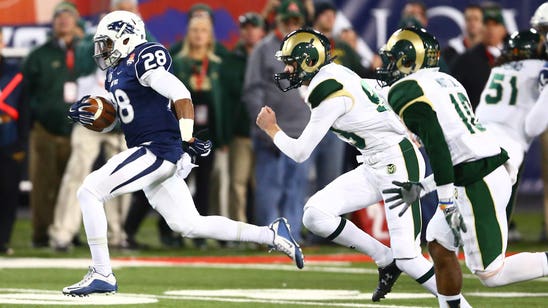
(387, 277)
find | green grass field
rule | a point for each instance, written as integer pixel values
(320, 284)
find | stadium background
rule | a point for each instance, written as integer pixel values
(26, 24)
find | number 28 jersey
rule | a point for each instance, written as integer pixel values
(145, 115)
(466, 138)
(510, 93)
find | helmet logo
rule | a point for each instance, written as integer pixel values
(121, 27)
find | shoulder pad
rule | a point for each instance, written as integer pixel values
(322, 91)
(151, 56)
(404, 92)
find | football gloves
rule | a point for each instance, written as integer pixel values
(454, 220)
(79, 114)
(198, 147)
(406, 194)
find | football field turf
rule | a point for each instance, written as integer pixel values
(235, 277)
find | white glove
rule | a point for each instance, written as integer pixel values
(184, 166)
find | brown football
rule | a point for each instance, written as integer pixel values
(104, 113)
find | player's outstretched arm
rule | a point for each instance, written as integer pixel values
(321, 119)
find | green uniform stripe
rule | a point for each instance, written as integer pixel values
(402, 93)
(424, 278)
(322, 91)
(486, 223)
(337, 231)
(412, 166)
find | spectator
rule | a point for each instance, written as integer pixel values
(203, 10)
(414, 14)
(197, 66)
(14, 127)
(271, 8)
(240, 147)
(472, 35)
(48, 99)
(280, 181)
(472, 68)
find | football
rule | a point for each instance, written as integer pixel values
(104, 113)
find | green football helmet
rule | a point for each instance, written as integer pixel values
(407, 51)
(307, 50)
(525, 44)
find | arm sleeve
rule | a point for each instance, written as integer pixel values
(254, 84)
(321, 119)
(421, 119)
(166, 84)
(536, 121)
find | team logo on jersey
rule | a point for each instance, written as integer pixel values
(118, 25)
(391, 169)
(131, 59)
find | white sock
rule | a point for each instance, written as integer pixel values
(449, 301)
(353, 237)
(421, 270)
(225, 229)
(519, 267)
(95, 225)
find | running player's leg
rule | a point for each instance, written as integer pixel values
(405, 230)
(126, 172)
(172, 199)
(351, 191)
(484, 210)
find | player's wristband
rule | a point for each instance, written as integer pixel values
(186, 126)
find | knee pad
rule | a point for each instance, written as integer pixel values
(186, 227)
(319, 222)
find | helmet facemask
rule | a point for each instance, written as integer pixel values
(105, 56)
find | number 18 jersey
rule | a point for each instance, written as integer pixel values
(145, 115)
(466, 138)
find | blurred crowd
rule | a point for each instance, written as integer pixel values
(246, 178)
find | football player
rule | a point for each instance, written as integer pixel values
(537, 121)
(509, 95)
(468, 166)
(144, 91)
(350, 107)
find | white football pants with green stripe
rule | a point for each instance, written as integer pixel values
(483, 208)
(362, 187)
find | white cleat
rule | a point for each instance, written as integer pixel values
(284, 241)
(93, 282)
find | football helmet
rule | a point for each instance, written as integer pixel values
(307, 50)
(407, 51)
(525, 44)
(539, 21)
(117, 35)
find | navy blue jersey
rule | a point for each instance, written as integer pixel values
(145, 115)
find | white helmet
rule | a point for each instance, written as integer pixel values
(117, 35)
(539, 21)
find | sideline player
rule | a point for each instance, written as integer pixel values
(144, 91)
(347, 105)
(471, 180)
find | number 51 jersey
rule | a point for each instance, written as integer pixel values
(145, 115)
(509, 95)
(466, 139)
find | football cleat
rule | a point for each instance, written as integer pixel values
(284, 241)
(93, 282)
(387, 277)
